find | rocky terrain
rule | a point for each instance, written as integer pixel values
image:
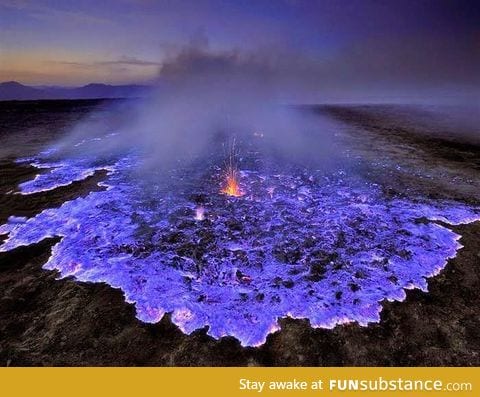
(45, 321)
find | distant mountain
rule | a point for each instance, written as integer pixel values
(12, 90)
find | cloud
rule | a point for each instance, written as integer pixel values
(122, 61)
(39, 11)
(130, 61)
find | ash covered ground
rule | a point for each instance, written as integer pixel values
(314, 264)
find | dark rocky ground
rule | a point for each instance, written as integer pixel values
(44, 321)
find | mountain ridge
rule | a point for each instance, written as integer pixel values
(13, 90)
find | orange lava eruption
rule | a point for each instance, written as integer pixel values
(232, 187)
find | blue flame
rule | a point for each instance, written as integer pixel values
(326, 248)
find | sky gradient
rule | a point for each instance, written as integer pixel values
(346, 43)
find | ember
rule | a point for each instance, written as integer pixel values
(232, 187)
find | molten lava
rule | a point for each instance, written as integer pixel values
(232, 187)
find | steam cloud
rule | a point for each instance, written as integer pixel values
(202, 97)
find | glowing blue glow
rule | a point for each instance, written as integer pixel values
(328, 249)
(59, 174)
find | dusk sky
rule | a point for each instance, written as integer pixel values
(352, 42)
